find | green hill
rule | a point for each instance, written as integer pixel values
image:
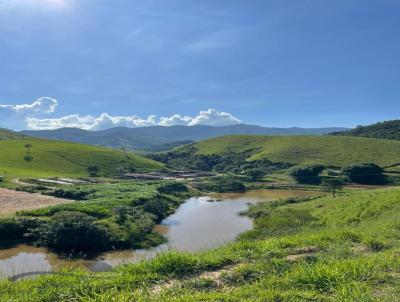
(329, 150)
(8, 134)
(55, 158)
(383, 130)
(158, 138)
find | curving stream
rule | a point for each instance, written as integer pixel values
(200, 223)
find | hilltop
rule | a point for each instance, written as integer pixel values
(337, 151)
(159, 138)
(383, 130)
(56, 158)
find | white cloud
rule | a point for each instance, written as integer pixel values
(14, 116)
(212, 117)
(35, 116)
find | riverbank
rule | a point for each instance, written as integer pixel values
(98, 217)
(320, 249)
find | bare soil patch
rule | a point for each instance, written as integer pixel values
(13, 201)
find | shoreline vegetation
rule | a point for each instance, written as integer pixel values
(102, 217)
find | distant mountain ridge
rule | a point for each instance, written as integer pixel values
(382, 130)
(159, 138)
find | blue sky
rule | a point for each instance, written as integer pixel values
(307, 63)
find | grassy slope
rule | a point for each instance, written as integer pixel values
(355, 239)
(383, 130)
(55, 158)
(8, 134)
(329, 150)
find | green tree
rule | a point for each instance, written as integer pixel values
(93, 171)
(307, 174)
(332, 185)
(364, 174)
(28, 156)
(254, 174)
(72, 232)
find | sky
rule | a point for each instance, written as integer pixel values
(97, 64)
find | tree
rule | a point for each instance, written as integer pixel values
(332, 185)
(72, 232)
(93, 171)
(307, 174)
(364, 174)
(28, 156)
(255, 174)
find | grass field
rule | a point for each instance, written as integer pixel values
(328, 150)
(320, 249)
(56, 158)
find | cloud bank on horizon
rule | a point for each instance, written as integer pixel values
(35, 116)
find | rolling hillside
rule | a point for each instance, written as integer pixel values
(383, 130)
(329, 150)
(159, 138)
(55, 158)
(8, 134)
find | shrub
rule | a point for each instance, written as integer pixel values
(254, 174)
(71, 232)
(158, 207)
(364, 174)
(172, 188)
(10, 230)
(307, 174)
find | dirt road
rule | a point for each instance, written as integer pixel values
(13, 201)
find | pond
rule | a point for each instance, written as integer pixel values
(200, 223)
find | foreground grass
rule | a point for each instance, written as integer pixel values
(321, 249)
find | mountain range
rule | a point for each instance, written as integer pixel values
(161, 138)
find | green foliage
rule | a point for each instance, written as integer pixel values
(93, 171)
(172, 188)
(307, 174)
(71, 231)
(255, 174)
(10, 230)
(119, 215)
(222, 184)
(332, 184)
(382, 130)
(364, 174)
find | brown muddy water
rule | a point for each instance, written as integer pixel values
(200, 223)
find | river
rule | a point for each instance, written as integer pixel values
(200, 223)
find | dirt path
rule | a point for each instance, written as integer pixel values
(12, 201)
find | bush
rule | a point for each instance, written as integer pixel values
(158, 207)
(364, 174)
(307, 174)
(10, 230)
(71, 232)
(172, 188)
(254, 174)
(222, 184)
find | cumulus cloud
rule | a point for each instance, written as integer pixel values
(14, 116)
(34, 116)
